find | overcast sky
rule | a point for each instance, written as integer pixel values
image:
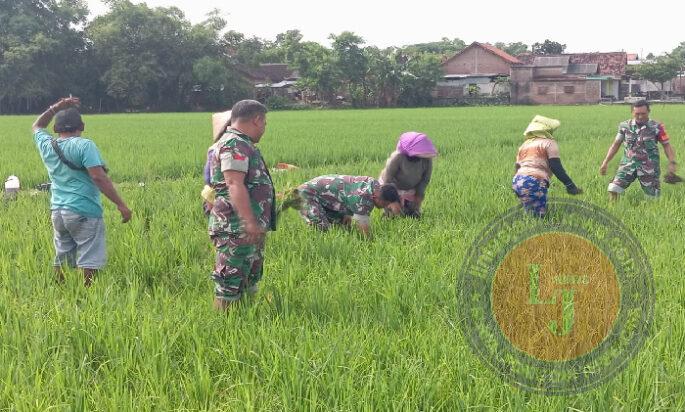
(583, 25)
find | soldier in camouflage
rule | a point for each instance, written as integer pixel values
(339, 199)
(641, 136)
(244, 207)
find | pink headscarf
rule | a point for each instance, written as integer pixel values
(416, 144)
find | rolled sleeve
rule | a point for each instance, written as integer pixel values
(233, 158)
(620, 135)
(662, 136)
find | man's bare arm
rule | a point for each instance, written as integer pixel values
(104, 183)
(613, 149)
(670, 154)
(46, 117)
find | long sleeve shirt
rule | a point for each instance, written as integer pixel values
(407, 174)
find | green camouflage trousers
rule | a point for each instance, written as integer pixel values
(315, 214)
(238, 266)
(648, 176)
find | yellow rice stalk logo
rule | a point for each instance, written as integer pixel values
(556, 305)
(550, 303)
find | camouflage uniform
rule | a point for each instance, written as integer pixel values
(328, 199)
(641, 157)
(238, 263)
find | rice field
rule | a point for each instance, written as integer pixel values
(340, 323)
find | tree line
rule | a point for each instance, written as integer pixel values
(137, 58)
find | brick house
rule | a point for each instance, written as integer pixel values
(678, 85)
(567, 78)
(478, 67)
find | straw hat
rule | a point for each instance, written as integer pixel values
(542, 126)
(220, 121)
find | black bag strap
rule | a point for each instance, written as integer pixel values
(66, 161)
(63, 158)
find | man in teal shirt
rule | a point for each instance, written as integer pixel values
(78, 175)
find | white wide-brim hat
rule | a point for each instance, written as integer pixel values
(220, 121)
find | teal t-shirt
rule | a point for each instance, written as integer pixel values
(71, 189)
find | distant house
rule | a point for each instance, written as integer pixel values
(678, 85)
(635, 86)
(272, 79)
(480, 67)
(567, 78)
(269, 73)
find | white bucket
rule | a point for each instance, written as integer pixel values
(12, 187)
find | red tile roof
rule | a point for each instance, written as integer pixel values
(609, 64)
(498, 52)
(489, 48)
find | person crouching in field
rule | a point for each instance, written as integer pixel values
(641, 136)
(342, 200)
(244, 207)
(78, 175)
(409, 168)
(536, 160)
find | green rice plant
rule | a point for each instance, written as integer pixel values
(339, 323)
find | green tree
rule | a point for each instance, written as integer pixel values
(679, 55)
(418, 80)
(383, 77)
(514, 49)
(142, 51)
(147, 58)
(216, 84)
(352, 64)
(319, 73)
(284, 49)
(244, 51)
(443, 48)
(663, 69)
(33, 36)
(548, 47)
